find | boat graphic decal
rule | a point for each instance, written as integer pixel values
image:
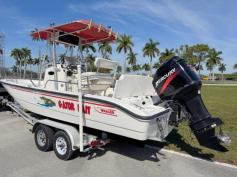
(46, 102)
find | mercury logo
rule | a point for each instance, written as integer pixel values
(165, 76)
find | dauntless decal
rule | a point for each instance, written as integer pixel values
(165, 76)
(106, 111)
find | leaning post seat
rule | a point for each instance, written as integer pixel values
(100, 82)
(133, 85)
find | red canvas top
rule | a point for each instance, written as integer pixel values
(87, 31)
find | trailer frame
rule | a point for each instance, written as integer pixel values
(89, 141)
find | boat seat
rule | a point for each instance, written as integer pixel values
(97, 82)
(133, 85)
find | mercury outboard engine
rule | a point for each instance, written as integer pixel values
(177, 81)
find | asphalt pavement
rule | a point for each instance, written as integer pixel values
(19, 157)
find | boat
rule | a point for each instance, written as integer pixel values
(133, 106)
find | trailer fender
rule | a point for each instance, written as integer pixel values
(70, 130)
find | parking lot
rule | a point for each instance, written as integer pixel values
(20, 157)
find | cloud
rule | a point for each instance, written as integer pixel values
(13, 14)
(192, 21)
(152, 11)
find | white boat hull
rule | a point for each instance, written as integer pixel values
(98, 112)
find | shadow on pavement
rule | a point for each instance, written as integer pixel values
(177, 139)
(135, 149)
(131, 150)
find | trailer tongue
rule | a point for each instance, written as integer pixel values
(177, 81)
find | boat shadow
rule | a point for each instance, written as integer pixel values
(137, 150)
(5, 108)
(129, 149)
(179, 142)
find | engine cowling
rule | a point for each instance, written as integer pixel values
(177, 81)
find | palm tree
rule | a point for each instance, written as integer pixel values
(45, 59)
(26, 56)
(132, 58)
(30, 62)
(17, 54)
(222, 68)
(156, 65)
(136, 67)
(200, 52)
(125, 44)
(182, 51)
(62, 58)
(166, 55)
(105, 49)
(151, 50)
(146, 67)
(128, 69)
(214, 59)
(119, 69)
(37, 62)
(209, 67)
(42, 59)
(88, 47)
(14, 69)
(235, 66)
(91, 60)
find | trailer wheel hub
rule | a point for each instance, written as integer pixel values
(61, 145)
(41, 138)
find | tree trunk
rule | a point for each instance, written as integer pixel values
(17, 70)
(213, 76)
(25, 65)
(39, 71)
(222, 77)
(124, 64)
(151, 67)
(20, 69)
(30, 72)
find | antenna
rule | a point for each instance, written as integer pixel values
(2, 55)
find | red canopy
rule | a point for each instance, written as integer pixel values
(87, 31)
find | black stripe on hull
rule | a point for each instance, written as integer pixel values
(132, 114)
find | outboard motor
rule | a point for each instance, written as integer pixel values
(177, 81)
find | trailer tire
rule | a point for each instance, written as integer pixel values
(44, 138)
(62, 145)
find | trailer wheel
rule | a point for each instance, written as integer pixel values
(62, 145)
(44, 138)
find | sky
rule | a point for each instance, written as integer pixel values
(170, 22)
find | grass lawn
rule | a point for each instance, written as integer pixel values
(221, 101)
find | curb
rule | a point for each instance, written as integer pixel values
(191, 157)
(220, 84)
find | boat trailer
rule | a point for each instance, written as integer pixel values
(72, 134)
